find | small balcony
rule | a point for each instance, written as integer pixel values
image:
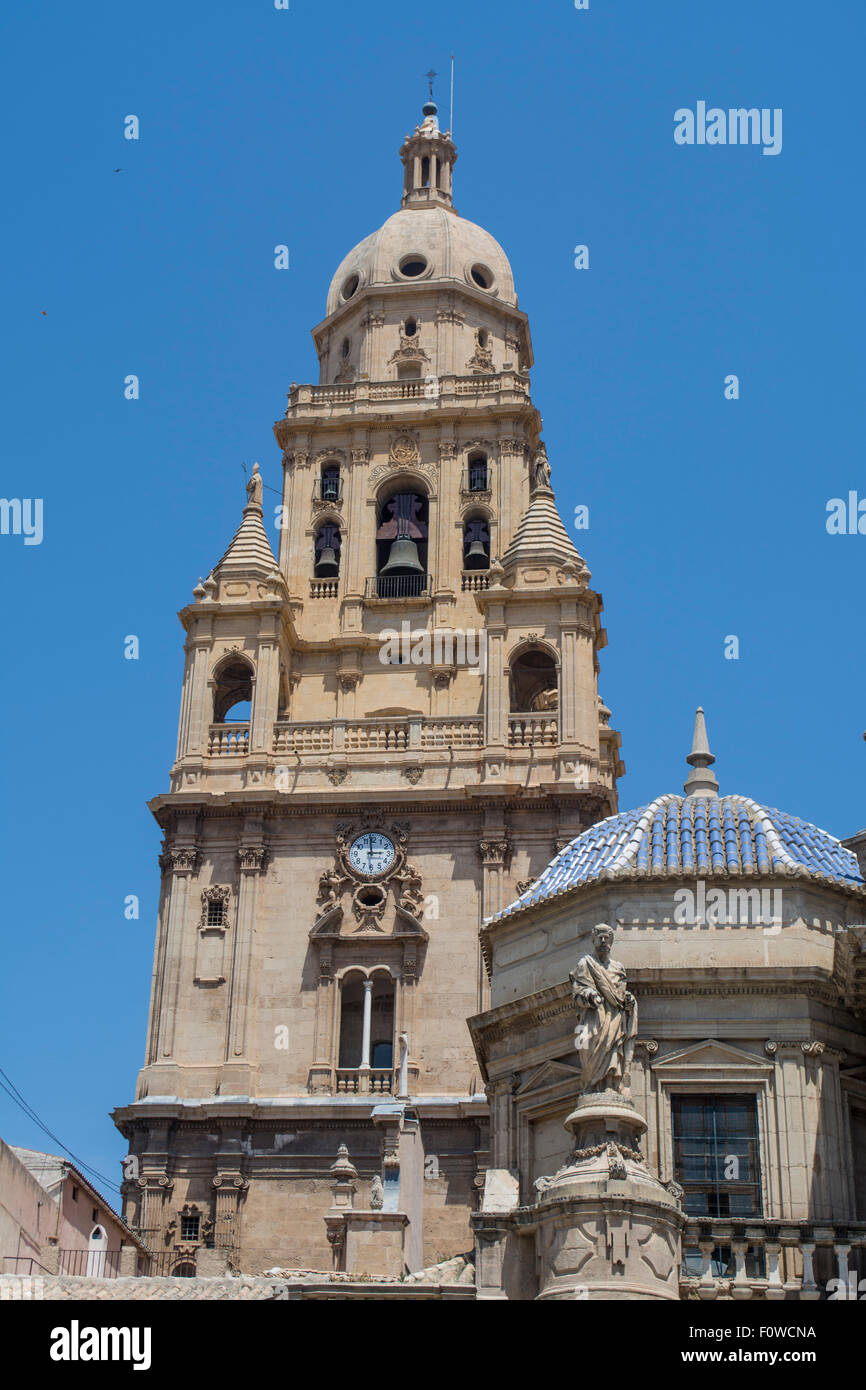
(324, 588)
(399, 586)
(228, 740)
(365, 1081)
(476, 480)
(532, 731)
(474, 581)
(328, 490)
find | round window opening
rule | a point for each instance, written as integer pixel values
(413, 266)
(371, 897)
(350, 286)
(482, 276)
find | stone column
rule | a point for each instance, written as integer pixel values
(366, 1025)
(229, 1187)
(267, 687)
(193, 711)
(252, 858)
(496, 681)
(495, 850)
(179, 863)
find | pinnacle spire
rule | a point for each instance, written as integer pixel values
(250, 549)
(700, 781)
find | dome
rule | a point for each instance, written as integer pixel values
(687, 836)
(433, 244)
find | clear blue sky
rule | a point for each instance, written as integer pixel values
(261, 127)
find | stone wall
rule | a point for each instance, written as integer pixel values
(296, 1286)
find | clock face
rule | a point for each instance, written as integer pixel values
(372, 853)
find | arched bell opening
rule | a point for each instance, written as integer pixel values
(327, 550)
(476, 544)
(401, 545)
(232, 692)
(534, 682)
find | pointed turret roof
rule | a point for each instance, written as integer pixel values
(700, 781)
(541, 537)
(250, 548)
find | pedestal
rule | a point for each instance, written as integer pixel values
(606, 1227)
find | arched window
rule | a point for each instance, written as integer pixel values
(327, 551)
(329, 483)
(410, 327)
(425, 172)
(534, 684)
(478, 475)
(476, 544)
(366, 1027)
(233, 693)
(401, 546)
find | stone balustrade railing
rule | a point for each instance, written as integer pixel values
(532, 731)
(756, 1258)
(378, 735)
(308, 398)
(228, 740)
(364, 1081)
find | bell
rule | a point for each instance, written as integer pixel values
(403, 558)
(476, 557)
(327, 565)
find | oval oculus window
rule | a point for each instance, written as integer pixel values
(413, 266)
(482, 276)
(350, 286)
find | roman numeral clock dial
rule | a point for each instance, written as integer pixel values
(372, 854)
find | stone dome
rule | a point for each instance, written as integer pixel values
(447, 246)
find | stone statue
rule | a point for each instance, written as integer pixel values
(607, 1017)
(330, 888)
(541, 468)
(411, 897)
(254, 488)
(377, 1194)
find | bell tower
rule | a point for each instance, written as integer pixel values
(390, 723)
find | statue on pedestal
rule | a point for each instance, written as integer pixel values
(607, 1018)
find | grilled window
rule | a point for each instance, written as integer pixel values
(716, 1154)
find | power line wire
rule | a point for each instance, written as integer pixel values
(15, 1095)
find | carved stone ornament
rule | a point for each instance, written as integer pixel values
(368, 905)
(524, 886)
(330, 888)
(377, 1194)
(179, 860)
(411, 898)
(404, 449)
(494, 853)
(253, 857)
(481, 361)
(216, 897)
(413, 774)
(337, 775)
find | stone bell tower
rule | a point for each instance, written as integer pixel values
(388, 727)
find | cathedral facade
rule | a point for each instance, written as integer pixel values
(390, 723)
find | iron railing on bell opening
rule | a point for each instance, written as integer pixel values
(399, 586)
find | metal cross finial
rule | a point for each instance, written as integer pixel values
(430, 76)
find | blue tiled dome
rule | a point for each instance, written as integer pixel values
(701, 836)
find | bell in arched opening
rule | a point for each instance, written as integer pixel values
(328, 553)
(476, 546)
(403, 529)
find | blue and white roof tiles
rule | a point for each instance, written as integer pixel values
(695, 836)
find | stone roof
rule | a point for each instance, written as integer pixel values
(541, 536)
(450, 244)
(250, 549)
(706, 836)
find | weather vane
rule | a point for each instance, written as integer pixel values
(430, 77)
